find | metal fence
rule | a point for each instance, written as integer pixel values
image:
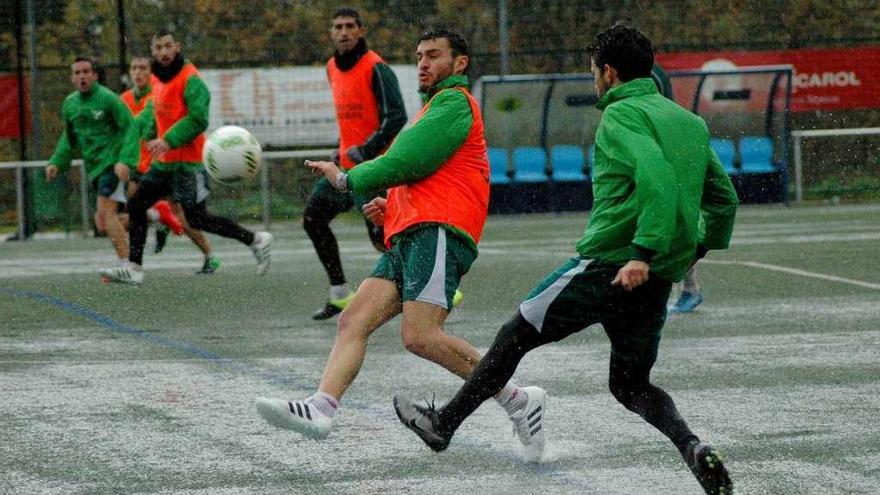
(38, 38)
(282, 177)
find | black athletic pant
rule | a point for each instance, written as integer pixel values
(181, 186)
(632, 321)
(323, 205)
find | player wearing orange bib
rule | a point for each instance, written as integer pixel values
(437, 174)
(180, 107)
(136, 99)
(170, 214)
(370, 113)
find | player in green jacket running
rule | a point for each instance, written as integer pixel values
(97, 124)
(654, 177)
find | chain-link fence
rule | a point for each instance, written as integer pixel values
(522, 36)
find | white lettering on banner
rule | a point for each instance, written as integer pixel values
(287, 106)
(826, 79)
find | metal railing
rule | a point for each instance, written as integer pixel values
(19, 168)
(265, 197)
(797, 136)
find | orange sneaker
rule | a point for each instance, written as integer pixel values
(167, 217)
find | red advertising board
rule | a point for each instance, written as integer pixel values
(9, 107)
(824, 79)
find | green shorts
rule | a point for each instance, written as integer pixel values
(426, 264)
(579, 294)
(107, 185)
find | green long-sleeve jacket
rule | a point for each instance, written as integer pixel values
(654, 176)
(420, 150)
(98, 125)
(198, 102)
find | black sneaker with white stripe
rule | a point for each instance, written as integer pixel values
(528, 423)
(296, 415)
(422, 421)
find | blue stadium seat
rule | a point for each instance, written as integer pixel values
(567, 163)
(756, 155)
(725, 151)
(530, 164)
(591, 156)
(498, 166)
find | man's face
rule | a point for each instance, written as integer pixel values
(345, 33)
(599, 78)
(165, 50)
(436, 63)
(139, 72)
(83, 76)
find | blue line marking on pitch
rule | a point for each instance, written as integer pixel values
(113, 325)
(117, 327)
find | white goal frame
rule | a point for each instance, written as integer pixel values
(797, 136)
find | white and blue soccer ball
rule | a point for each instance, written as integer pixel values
(232, 155)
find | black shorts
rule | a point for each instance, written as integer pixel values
(579, 294)
(107, 185)
(179, 185)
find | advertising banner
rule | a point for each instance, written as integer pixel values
(287, 106)
(824, 79)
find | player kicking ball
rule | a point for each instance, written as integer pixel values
(655, 176)
(438, 196)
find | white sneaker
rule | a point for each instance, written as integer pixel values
(296, 415)
(123, 275)
(528, 423)
(262, 248)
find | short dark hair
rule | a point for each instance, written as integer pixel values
(348, 12)
(625, 49)
(90, 60)
(457, 42)
(162, 32)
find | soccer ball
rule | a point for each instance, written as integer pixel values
(232, 155)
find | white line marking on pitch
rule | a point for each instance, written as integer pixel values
(795, 271)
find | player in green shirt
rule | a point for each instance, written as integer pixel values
(97, 124)
(654, 177)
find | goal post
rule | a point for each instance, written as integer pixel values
(799, 136)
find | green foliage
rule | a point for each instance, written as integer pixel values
(545, 35)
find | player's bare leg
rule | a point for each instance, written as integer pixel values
(198, 238)
(123, 219)
(375, 302)
(107, 220)
(423, 335)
